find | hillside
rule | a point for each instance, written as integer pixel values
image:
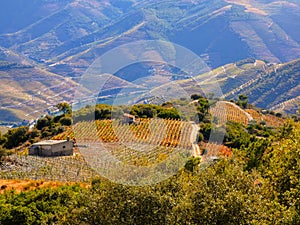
(71, 35)
(27, 91)
(239, 185)
(63, 38)
(275, 85)
(228, 111)
(270, 86)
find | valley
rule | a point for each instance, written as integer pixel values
(149, 112)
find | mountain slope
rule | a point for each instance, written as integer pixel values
(53, 39)
(26, 91)
(275, 87)
(270, 86)
(72, 34)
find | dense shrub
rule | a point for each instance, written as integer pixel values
(14, 137)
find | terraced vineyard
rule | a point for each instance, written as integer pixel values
(167, 133)
(72, 168)
(270, 120)
(103, 143)
(228, 111)
(148, 142)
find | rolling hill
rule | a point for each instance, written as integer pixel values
(70, 35)
(61, 39)
(26, 91)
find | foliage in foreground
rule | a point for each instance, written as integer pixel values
(259, 184)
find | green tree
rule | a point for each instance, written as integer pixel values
(171, 113)
(16, 136)
(205, 130)
(202, 108)
(282, 169)
(41, 206)
(66, 121)
(192, 163)
(103, 111)
(237, 136)
(64, 107)
(47, 121)
(3, 139)
(255, 152)
(195, 96)
(242, 101)
(226, 194)
(144, 111)
(2, 153)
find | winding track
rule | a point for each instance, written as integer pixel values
(193, 139)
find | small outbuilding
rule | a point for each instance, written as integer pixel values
(52, 148)
(128, 118)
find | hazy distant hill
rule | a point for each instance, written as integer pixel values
(63, 38)
(72, 34)
(27, 91)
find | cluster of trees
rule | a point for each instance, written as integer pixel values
(242, 101)
(202, 106)
(98, 112)
(245, 61)
(166, 111)
(259, 184)
(236, 135)
(44, 128)
(42, 206)
(103, 111)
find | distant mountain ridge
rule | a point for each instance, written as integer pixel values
(74, 33)
(61, 39)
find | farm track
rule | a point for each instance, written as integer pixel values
(193, 139)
